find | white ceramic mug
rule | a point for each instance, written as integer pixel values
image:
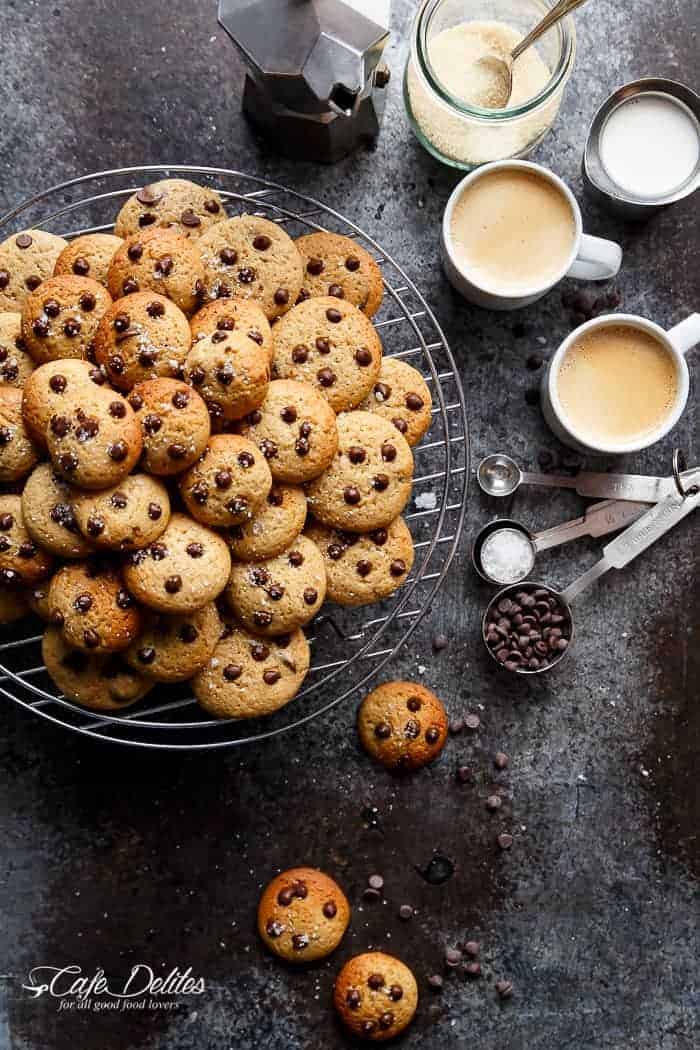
(677, 341)
(591, 258)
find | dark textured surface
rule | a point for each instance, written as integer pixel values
(110, 858)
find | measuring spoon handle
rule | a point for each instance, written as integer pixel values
(657, 521)
(599, 520)
(551, 481)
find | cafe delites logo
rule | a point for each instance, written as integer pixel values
(142, 989)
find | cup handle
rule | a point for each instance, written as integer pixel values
(597, 259)
(686, 335)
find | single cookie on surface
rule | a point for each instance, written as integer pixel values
(90, 606)
(142, 336)
(252, 258)
(22, 561)
(336, 265)
(26, 259)
(331, 345)
(229, 372)
(183, 570)
(376, 996)
(16, 365)
(18, 453)
(228, 482)
(49, 388)
(88, 256)
(274, 526)
(14, 605)
(173, 648)
(94, 446)
(369, 481)
(49, 516)
(158, 261)
(234, 315)
(125, 517)
(403, 725)
(303, 915)
(60, 318)
(186, 206)
(295, 429)
(175, 424)
(98, 681)
(362, 568)
(401, 396)
(273, 597)
(247, 676)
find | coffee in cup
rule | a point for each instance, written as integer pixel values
(617, 385)
(513, 229)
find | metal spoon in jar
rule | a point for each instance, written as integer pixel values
(499, 68)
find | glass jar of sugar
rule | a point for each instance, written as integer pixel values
(446, 98)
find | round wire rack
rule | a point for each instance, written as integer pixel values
(349, 646)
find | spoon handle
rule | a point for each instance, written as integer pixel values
(599, 519)
(564, 7)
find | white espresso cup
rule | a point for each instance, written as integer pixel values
(677, 341)
(590, 259)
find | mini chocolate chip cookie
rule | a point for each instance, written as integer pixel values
(175, 424)
(22, 561)
(26, 259)
(369, 481)
(273, 597)
(228, 482)
(158, 261)
(49, 517)
(13, 605)
(401, 396)
(331, 345)
(338, 266)
(60, 318)
(187, 207)
(302, 915)
(18, 453)
(49, 388)
(364, 568)
(295, 429)
(247, 677)
(142, 336)
(91, 607)
(16, 365)
(274, 526)
(376, 996)
(102, 682)
(403, 725)
(173, 648)
(239, 315)
(183, 570)
(94, 446)
(229, 372)
(127, 516)
(88, 256)
(252, 258)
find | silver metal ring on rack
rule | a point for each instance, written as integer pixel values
(350, 647)
(678, 466)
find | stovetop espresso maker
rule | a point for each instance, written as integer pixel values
(315, 84)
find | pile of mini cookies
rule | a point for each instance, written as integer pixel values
(200, 442)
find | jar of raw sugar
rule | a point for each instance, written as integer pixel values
(447, 98)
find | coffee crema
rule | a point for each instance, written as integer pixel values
(512, 230)
(616, 384)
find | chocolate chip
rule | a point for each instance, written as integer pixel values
(440, 642)
(472, 969)
(173, 584)
(130, 286)
(271, 676)
(414, 402)
(432, 734)
(397, 567)
(299, 355)
(375, 981)
(259, 651)
(4, 278)
(401, 425)
(315, 266)
(262, 618)
(148, 195)
(285, 897)
(32, 282)
(87, 302)
(268, 449)
(118, 451)
(117, 409)
(27, 549)
(68, 462)
(363, 568)
(336, 290)
(237, 505)
(504, 989)
(40, 327)
(289, 414)
(472, 722)
(188, 218)
(356, 454)
(146, 655)
(197, 376)
(135, 251)
(180, 399)
(231, 672)
(57, 618)
(256, 336)
(60, 426)
(333, 315)
(212, 206)
(500, 760)
(91, 638)
(136, 401)
(262, 242)
(380, 482)
(323, 345)
(246, 275)
(194, 549)
(351, 495)
(382, 730)
(163, 267)
(405, 913)
(23, 240)
(505, 841)
(494, 802)
(414, 703)
(363, 356)
(146, 220)
(379, 536)
(281, 296)
(299, 940)
(57, 384)
(386, 1019)
(310, 595)
(152, 424)
(52, 308)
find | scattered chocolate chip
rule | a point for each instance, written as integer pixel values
(500, 760)
(435, 982)
(464, 774)
(505, 841)
(494, 802)
(534, 362)
(180, 399)
(376, 882)
(472, 722)
(504, 989)
(472, 969)
(163, 267)
(405, 912)
(52, 308)
(148, 196)
(453, 957)
(432, 734)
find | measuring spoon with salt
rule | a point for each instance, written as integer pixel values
(499, 475)
(555, 642)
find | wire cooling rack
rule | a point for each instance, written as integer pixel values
(349, 646)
